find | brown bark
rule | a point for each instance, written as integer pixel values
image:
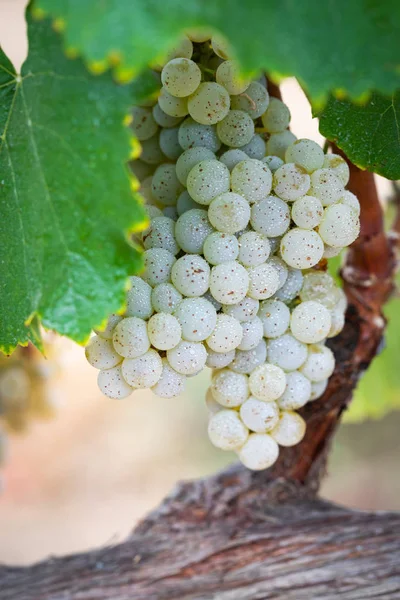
(242, 535)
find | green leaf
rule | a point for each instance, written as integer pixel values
(369, 134)
(378, 392)
(352, 46)
(65, 195)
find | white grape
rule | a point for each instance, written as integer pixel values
(246, 361)
(252, 334)
(158, 265)
(190, 158)
(337, 322)
(181, 77)
(277, 116)
(273, 162)
(163, 119)
(101, 354)
(193, 134)
(326, 186)
(183, 48)
(291, 287)
(254, 249)
(165, 298)
(274, 243)
(229, 213)
(199, 35)
(307, 212)
(252, 179)
(170, 384)
(275, 318)
(291, 182)
(141, 169)
(267, 382)
(187, 358)
(209, 104)
(259, 452)
(144, 371)
(191, 275)
(254, 100)
(320, 363)
(340, 225)
(169, 143)
(339, 166)
(112, 384)
(170, 212)
(287, 352)
(107, 331)
(143, 124)
(219, 360)
(297, 392)
(342, 302)
(310, 322)
(197, 317)
(263, 281)
(281, 267)
(278, 143)
(301, 248)
(228, 74)
(138, 299)
(232, 157)
(171, 105)
(185, 203)
(151, 152)
(207, 180)
(243, 311)
(164, 331)
(351, 200)
(192, 229)
(230, 389)
(259, 416)
(318, 388)
(130, 338)
(321, 287)
(270, 216)
(220, 247)
(226, 430)
(226, 335)
(229, 282)
(220, 46)
(290, 429)
(212, 406)
(145, 191)
(161, 234)
(235, 129)
(306, 154)
(165, 186)
(256, 147)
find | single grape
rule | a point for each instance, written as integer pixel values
(291, 182)
(192, 229)
(209, 104)
(143, 124)
(220, 46)
(259, 452)
(301, 249)
(275, 318)
(164, 331)
(171, 105)
(107, 331)
(187, 358)
(191, 275)
(281, 267)
(339, 166)
(193, 135)
(297, 392)
(310, 322)
(226, 430)
(263, 281)
(229, 212)
(270, 216)
(305, 153)
(243, 311)
(232, 157)
(236, 129)
(318, 388)
(164, 120)
(165, 298)
(267, 382)
(291, 287)
(259, 416)
(340, 226)
(254, 100)
(230, 389)
(207, 180)
(220, 248)
(169, 143)
(290, 430)
(252, 179)
(158, 265)
(189, 159)
(337, 322)
(287, 352)
(226, 335)
(320, 363)
(252, 334)
(254, 249)
(185, 203)
(307, 212)
(130, 338)
(197, 317)
(278, 143)
(181, 77)
(229, 282)
(161, 234)
(351, 200)
(101, 354)
(277, 116)
(219, 360)
(112, 384)
(256, 147)
(228, 75)
(273, 162)
(170, 384)
(246, 361)
(321, 287)
(165, 186)
(138, 299)
(144, 371)
(170, 212)
(199, 35)
(212, 406)
(326, 186)
(151, 152)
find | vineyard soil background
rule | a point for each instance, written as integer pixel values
(100, 449)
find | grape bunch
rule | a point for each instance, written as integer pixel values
(241, 215)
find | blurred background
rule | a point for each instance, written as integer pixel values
(85, 471)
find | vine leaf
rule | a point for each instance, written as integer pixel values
(65, 195)
(369, 134)
(353, 46)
